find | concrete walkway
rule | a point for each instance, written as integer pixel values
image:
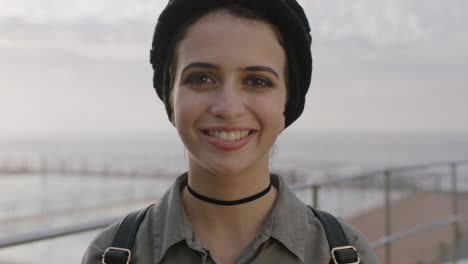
(415, 210)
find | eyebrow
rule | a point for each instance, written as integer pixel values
(262, 68)
(214, 66)
(200, 65)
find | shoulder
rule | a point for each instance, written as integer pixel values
(93, 254)
(318, 239)
(160, 224)
(360, 242)
(101, 242)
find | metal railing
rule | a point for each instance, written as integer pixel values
(30, 237)
(385, 241)
(389, 238)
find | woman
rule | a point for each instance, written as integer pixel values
(233, 75)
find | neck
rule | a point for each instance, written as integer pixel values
(232, 227)
(227, 230)
(232, 202)
(238, 220)
(228, 187)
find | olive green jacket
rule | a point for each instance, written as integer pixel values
(292, 234)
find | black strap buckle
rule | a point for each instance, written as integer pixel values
(116, 255)
(345, 255)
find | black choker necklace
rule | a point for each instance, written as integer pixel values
(235, 202)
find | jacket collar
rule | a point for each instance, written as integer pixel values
(287, 223)
(288, 219)
(169, 224)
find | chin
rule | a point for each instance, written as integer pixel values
(225, 170)
(227, 167)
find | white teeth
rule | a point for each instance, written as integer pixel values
(223, 135)
(229, 136)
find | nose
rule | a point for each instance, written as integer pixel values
(228, 102)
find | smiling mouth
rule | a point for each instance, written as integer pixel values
(229, 135)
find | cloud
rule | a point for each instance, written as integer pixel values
(385, 22)
(66, 10)
(87, 37)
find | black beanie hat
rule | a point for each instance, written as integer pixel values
(287, 15)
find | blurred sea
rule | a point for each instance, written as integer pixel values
(304, 152)
(309, 156)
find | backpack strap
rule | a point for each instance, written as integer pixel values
(341, 251)
(120, 250)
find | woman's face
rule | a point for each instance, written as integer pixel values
(229, 93)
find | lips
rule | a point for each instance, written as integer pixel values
(228, 138)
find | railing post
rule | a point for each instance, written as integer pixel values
(388, 227)
(453, 174)
(438, 187)
(315, 189)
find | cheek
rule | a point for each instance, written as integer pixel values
(178, 107)
(280, 119)
(188, 107)
(184, 116)
(280, 108)
(271, 113)
(182, 112)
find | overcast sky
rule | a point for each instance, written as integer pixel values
(81, 67)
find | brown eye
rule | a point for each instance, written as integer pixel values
(198, 79)
(257, 81)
